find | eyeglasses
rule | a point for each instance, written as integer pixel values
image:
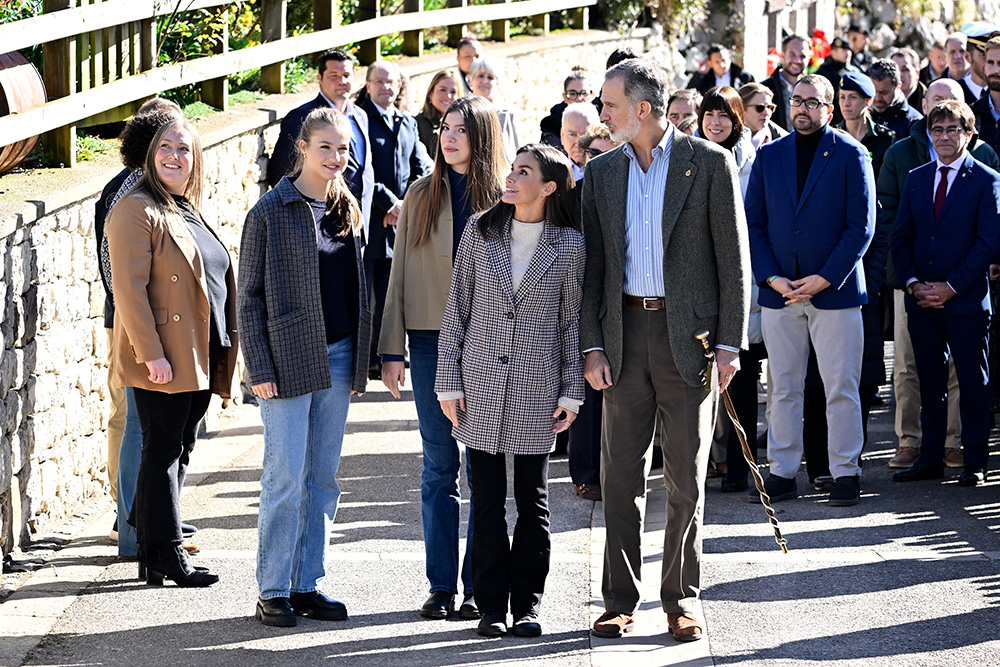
(761, 108)
(953, 131)
(812, 103)
(592, 152)
(576, 94)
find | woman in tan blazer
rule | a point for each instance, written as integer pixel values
(467, 177)
(174, 335)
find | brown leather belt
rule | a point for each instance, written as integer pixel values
(646, 302)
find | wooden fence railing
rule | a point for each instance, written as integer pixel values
(99, 55)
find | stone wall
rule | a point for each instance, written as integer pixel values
(53, 375)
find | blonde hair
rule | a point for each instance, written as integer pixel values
(341, 207)
(150, 181)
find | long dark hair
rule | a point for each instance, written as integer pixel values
(341, 207)
(486, 168)
(728, 101)
(560, 206)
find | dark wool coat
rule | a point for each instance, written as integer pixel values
(279, 307)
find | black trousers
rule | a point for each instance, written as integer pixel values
(743, 391)
(377, 277)
(503, 571)
(169, 425)
(585, 439)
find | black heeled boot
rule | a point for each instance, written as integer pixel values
(141, 558)
(170, 561)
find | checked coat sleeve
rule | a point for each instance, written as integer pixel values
(456, 313)
(252, 310)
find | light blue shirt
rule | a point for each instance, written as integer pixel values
(644, 220)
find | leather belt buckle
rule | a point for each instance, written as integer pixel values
(650, 303)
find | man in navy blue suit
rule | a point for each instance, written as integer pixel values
(946, 236)
(810, 207)
(336, 72)
(399, 159)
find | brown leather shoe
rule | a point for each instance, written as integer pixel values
(905, 457)
(685, 627)
(192, 549)
(613, 624)
(588, 491)
(953, 458)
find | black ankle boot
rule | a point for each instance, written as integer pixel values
(169, 560)
(140, 556)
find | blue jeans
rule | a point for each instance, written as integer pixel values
(303, 436)
(440, 496)
(129, 456)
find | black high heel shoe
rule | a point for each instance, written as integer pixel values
(141, 557)
(170, 561)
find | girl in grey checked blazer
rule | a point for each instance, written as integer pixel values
(510, 375)
(304, 309)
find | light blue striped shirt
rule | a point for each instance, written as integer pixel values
(644, 220)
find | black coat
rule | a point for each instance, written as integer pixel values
(774, 84)
(551, 126)
(898, 117)
(705, 82)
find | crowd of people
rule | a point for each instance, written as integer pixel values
(548, 293)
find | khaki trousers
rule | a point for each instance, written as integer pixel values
(906, 386)
(116, 420)
(649, 385)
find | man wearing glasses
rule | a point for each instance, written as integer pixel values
(947, 235)
(576, 88)
(810, 208)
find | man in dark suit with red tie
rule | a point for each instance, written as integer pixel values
(942, 254)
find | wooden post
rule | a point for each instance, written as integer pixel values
(581, 18)
(326, 14)
(501, 28)
(369, 50)
(215, 92)
(148, 55)
(456, 32)
(413, 40)
(59, 73)
(541, 22)
(273, 24)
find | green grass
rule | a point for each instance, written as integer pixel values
(196, 109)
(87, 147)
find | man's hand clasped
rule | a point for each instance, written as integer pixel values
(801, 290)
(931, 294)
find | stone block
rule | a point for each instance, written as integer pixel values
(8, 370)
(6, 472)
(26, 357)
(26, 311)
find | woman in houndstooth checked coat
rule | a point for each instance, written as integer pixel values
(510, 376)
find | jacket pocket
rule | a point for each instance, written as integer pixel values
(707, 309)
(160, 315)
(287, 320)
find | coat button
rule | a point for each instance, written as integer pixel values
(173, 279)
(177, 318)
(510, 316)
(504, 359)
(798, 231)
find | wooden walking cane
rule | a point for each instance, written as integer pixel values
(748, 455)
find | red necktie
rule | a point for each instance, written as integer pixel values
(942, 190)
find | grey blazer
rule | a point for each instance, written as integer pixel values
(706, 255)
(513, 355)
(278, 305)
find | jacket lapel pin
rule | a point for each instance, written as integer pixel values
(687, 173)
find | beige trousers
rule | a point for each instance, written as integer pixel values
(907, 387)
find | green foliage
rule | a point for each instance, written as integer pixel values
(87, 147)
(196, 109)
(299, 73)
(16, 10)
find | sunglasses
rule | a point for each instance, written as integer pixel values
(593, 152)
(760, 108)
